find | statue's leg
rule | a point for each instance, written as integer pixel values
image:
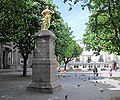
(48, 22)
(44, 25)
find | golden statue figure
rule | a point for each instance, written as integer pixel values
(46, 18)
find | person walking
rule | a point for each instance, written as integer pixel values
(95, 71)
(110, 72)
(115, 68)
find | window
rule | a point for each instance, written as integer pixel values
(84, 66)
(21, 60)
(98, 66)
(89, 60)
(101, 59)
(90, 66)
(76, 66)
(105, 66)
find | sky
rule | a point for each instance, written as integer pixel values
(76, 18)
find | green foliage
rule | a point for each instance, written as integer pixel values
(65, 45)
(66, 48)
(10, 16)
(77, 50)
(63, 42)
(103, 28)
(19, 22)
(20, 19)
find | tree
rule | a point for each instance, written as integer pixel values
(10, 18)
(24, 39)
(103, 28)
(19, 26)
(66, 48)
(77, 50)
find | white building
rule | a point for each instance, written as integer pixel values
(87, 60)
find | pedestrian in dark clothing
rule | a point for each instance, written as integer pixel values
(95, 71)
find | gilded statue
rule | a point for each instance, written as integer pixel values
(46, 18)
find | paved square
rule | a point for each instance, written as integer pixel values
(76, 85)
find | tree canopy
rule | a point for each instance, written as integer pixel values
(18, 24)
(66, 48)
(103, 28)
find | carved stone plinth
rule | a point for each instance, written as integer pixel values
(44, 73)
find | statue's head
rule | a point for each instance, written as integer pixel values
(46, 7)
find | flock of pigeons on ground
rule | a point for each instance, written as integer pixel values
(82, 77)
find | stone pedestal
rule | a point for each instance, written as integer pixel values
(44, 73)
(0, 56)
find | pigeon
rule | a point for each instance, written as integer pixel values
(83, 75)
(76, 75)
(64, 76)
(65, 97)
(95, 85)
(88, 78)
(78, 85)
(58, 76)
(90, 81)
(102, 90)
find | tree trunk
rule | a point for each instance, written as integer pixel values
(25, 66)
(65, 67)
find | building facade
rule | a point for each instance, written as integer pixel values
(10, 58)
(87, 60)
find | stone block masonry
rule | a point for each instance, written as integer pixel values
(44, 72)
